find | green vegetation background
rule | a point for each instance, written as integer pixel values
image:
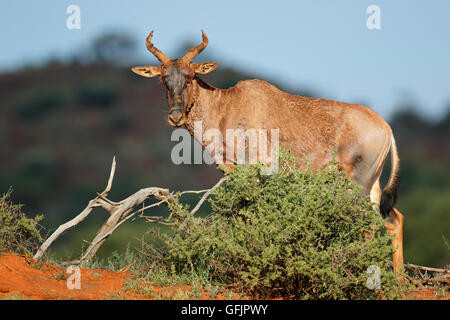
(62, 122)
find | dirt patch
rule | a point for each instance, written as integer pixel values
(24, 279)
(21, 278)
(428, 294)
(30, 280)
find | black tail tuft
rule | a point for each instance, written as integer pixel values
(389, 197)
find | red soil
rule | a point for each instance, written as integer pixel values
(20, 278)
(427, 294)
(24, 279)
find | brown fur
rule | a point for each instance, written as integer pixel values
(308, 126)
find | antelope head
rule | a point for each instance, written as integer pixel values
(177, 76)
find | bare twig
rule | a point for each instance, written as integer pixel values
(125, 269)
(193, 191)
(431, 280)
(151, 206)
(411, 266)
(423, 281)
(111, 178)
(206, 195)
(415, 267)
(156, 220)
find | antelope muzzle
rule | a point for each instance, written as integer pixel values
(176, 118)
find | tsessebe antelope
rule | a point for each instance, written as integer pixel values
(315, 127)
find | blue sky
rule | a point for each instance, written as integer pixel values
(322, 45)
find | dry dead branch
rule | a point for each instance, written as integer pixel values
(415, 267)
(206, 195)
(445, 278)
(119, 212)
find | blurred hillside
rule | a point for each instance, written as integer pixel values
(62, 123)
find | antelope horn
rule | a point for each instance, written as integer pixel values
(192, 53)
(158, 54)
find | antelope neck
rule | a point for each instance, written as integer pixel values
(205, 101)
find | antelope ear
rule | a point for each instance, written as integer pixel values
(205, 67)
(147, 71)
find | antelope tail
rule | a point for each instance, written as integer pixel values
(389, 194)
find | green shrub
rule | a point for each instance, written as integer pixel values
(297, 233)
(18, 233)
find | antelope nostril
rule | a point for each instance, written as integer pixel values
(176, 116)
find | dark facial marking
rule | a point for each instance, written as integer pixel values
(175, 82)
(176, 79)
